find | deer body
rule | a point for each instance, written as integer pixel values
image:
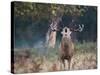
(67, 47)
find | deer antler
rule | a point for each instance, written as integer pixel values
(80, 28)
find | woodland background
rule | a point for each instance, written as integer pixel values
(31, 22)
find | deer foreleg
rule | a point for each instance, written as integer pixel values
(69, 64)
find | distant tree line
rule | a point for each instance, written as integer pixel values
(31, 21)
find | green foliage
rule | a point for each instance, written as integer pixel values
(32, 20)
(40, 10)
(86, 47)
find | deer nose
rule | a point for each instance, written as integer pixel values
(65, 30)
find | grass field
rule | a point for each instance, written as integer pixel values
(46, 60)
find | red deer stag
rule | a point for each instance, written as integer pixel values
(67, 45)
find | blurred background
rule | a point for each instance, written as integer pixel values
(31, 23)
(32, 20)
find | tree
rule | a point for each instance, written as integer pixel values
(32, 18)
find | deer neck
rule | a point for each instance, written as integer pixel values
(68, 36)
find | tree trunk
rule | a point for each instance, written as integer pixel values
(52, 31)
(52, 39)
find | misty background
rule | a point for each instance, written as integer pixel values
(32, 20)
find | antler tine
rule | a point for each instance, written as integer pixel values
(81, 28)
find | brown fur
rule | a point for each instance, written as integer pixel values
(66, 50)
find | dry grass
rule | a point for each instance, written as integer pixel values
(28, 63)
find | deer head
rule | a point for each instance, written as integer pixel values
(67, 31)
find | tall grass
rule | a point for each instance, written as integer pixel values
(86, 47)
(46, 59)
